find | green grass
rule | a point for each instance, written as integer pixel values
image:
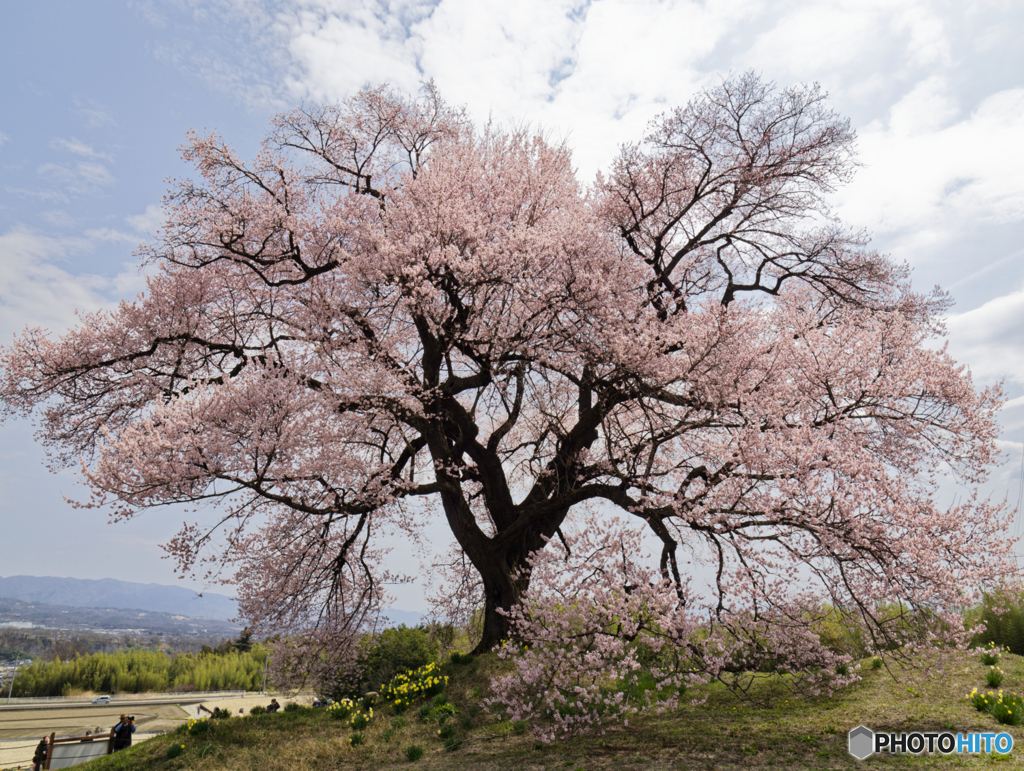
(721, 733)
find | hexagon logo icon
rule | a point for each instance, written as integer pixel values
(861, 742)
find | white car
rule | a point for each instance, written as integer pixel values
(101, 700)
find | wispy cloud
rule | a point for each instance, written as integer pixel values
(83, 178)
(93, 114)
(36, 291)
(149, 222)
(111, 235)
(988, 339)
(4, 138)
(78, 148)
(58, 218)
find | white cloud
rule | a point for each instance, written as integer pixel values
(4, 138)
(925, 177)
(78, 148)
(111, 235)
(990, 339)
(845, 42)
(149, 222)
(36, 292)
(83, 178)
(598, 70)
(93, 114)
(58, 218)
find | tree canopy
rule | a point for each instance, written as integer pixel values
(390, 311)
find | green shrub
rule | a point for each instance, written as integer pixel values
(424, 712)
(1008, 710)
(174, 751)
(413, 753)
(876, 662)
(447, 731)
(398, 723)
(441, 712)
(355, 739)
(519, 727)
(198, 726)
(840, 633)
(360, 720)
(979, 700)
(453, 743)
(293, 707)
(391, 651)
(257, 710)
(994, 677)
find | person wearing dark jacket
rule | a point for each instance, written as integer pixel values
(123, 733)
(39, 758)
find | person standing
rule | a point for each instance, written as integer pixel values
(39, 758)
(123, 733)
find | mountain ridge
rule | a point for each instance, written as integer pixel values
(113, 593)
(118, 594)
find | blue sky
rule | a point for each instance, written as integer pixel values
(97, 97)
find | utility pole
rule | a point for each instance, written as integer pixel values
(14, 674)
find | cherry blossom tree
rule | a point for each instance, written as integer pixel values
(390, 313)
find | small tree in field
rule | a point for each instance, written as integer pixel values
(389, 312)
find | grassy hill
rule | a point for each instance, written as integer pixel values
(722, 733)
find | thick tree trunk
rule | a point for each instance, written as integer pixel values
(501, 593)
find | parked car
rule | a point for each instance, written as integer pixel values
(101, 700)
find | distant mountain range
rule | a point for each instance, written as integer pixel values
(25, 615)
(125, 595)
(122, 595)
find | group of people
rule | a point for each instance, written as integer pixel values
(122, 735)
(122, 740)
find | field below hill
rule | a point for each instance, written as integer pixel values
(722, 733)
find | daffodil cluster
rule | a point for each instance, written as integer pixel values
(341, 709)
(360, 720)
(408, 686)
(1008, 709)
(990, 654)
